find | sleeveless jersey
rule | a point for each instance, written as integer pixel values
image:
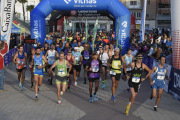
(160, 74)
(69, 60)
(136, 74)
(51, 57)
(104, 58)
(95, 69)
(86, 56)
(38, 61)
(61, 69)
(20, 59)
(115, 65)
(128, 60)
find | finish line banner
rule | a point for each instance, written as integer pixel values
(7, 8)
(174, 84)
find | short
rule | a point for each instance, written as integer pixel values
(77, 68)
(71, 72)
(135, 86)
(93, 79)
(104, 66)
(20, 70)
(158, 85)
(62, 80)
(84, 66)
(49, 66)
(39, 74)
(117, 76)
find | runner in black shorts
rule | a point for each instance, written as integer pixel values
(71, 60)
(115, 64)
(135, 79)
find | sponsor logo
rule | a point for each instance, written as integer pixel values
(81, 1)
(67, 1)
(3, 37)
(177, 81)
(124, 24)
(35, 30)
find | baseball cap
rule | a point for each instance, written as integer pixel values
(75, 48)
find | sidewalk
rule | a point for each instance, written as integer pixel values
(17, 105)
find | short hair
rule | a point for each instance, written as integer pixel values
(38, 47)
(20, 46)
(128, 49)
(45, 43)
(61, 52)
(162, 57)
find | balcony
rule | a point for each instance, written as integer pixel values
(164, 10)
(164, 1)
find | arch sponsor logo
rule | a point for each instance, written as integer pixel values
(124, 24)
(81, 1)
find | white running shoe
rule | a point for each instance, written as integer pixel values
(61, 92)
(75, 84)
(59, 102)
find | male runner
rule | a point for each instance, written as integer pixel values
(39, 62)
(104, 58)
(71, 60)
(61, 74)
(86, 54)
(135, 78)
(52, 55)
(158, 82)
(127, 59)
(78, 58)
(94, 66)
(115, 64)
(31, 69)
(20, 59)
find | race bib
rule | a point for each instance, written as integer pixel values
(112, 73)
(38, 64)
(136, 79)
(95, 69)
(61, 73)
(104, 62)
(86, 58)
(68, 66)
(160, 77)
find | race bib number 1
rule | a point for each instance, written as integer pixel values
(136, 79)
(112, 73)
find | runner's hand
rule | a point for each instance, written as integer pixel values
(151, 83)
(53, 74)
(127, 77)
(121, 66)
(67, 74)
(80, 63)
(143, 79)
(39, 67)
(169, 79)
(90, 69)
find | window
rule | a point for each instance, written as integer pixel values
(146, 25)
(134, 13)
(148, 2)
(138, 14)
(148, 14)
(133, 2)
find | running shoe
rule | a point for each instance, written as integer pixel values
(21, 87)
(155, 108)
(95, 98)
(48, 80)
(103, 85)
(59, 102)
(150, 97)
(91, 100)
(69, 90)
(19, 84)
(113, 98)
(128, 90)
(127, 109)
(32, 86)
(61, 92)
(75, 84)
(50, 83)
(36, 98)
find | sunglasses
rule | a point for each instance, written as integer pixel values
(100, 47)
(69, 52)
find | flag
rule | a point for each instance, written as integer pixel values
(86, 29)
(7, 9)
(88, 25)
(65, 27)
(80, 27)
(94, 34)
(117, 32)
(143, 21)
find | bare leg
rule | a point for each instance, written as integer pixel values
(90, 88)
(36, 77)
(58, 90)
(113, 86)
(133, 95)
(96, 86)
(23, 76)
(159, 96)
(74, 75)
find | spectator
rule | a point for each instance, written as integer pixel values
(49, 41)
(168, 43)
(12, 41)
(3, 50)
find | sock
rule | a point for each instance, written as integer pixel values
(155, 106)
(104, 81)
(129, 103)
(36, 95)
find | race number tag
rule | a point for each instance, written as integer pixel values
(61, 73)
(135, 79)
(128, 69)
(160, 77)
(86, 58)
(112, 73)
(104, 62)
(95, 69)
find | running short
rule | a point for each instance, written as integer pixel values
(62, 80)
(158, 85)
(71, 72)
(135, 86)
(49, 66)
(93, 79)
(104, 66)
(20, 70)
(39, 74)
(77, 68)
(117, 76)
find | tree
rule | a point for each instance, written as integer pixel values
(14, 7)
(29, 8)
(23, 2)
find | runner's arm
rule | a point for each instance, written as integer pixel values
(32, 61)
(46, 54)
(57, 55)
(108, 63)
(14, 59)
(73, 60)
(54, 65)
(166, 76)
(127, 66)
(149, 72)
(45, 60)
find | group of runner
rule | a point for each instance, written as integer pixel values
(68, 61)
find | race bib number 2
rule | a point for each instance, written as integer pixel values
(136, 79)
(112, 73)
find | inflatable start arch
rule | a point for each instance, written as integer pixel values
(115, 7)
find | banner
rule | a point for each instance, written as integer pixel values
(174, 84)
(65, 27)
(94, 34)
(86, 29)
(7, 9)
(117, 32)
(75, 27)
(143, 19)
